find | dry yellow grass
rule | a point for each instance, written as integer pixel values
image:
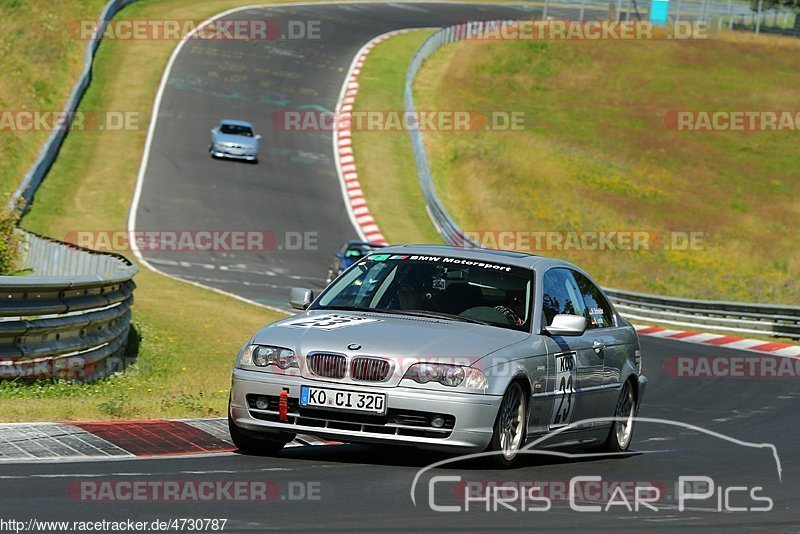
(385, 160)
(596, 155)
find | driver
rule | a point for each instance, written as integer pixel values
(410, 298)
(411, 294)
(513, 308)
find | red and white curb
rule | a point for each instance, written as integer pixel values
(357, 208)
(108, 440)
(720, 340)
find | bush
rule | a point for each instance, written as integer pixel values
(9, 241)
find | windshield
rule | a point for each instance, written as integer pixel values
(235, 129)
(474, 291)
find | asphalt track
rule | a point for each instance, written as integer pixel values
(358, 487)
(294, 189)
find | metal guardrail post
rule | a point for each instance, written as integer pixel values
(758, 16)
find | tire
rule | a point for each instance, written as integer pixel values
(248, 444)
(621, 431)
(510, 428)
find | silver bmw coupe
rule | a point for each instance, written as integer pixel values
(445, 349)
(235, 140)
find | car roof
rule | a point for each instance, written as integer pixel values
(518, 259)
(235, 123)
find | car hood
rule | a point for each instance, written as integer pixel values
(404, 339)
(235, 139)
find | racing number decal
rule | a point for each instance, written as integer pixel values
(564, 399)
(331, 322)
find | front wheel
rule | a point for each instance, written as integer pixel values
(510, 428)
(248, 444)
(621, 431)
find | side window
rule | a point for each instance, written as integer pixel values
(598, 310)
(561, 295)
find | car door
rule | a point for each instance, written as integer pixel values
(607, 338)
(575, 368)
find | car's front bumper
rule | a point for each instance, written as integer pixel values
(474, 414)
(222, 153)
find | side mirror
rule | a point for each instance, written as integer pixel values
(300, 298)
(340, 255)
(567, 325)
(258, 137)
(213, 130)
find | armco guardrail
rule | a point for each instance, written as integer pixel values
(30, 183)
(70, 318)
(782, 321)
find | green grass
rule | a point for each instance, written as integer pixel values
(385, 160)
(39, 65)
(596, 155)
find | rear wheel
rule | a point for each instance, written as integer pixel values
(621, 431)
(249, 444)
(510, 428)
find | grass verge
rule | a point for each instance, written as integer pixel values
(40, 64)
(385, 160)
(595, 154)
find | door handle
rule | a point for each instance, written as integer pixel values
(598, 346)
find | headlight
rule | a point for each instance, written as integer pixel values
(447, 375)
(265, 355)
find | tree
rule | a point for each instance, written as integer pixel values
(793, 5)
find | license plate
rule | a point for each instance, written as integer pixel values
(339, 399)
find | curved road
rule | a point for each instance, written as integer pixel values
(295, 189)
